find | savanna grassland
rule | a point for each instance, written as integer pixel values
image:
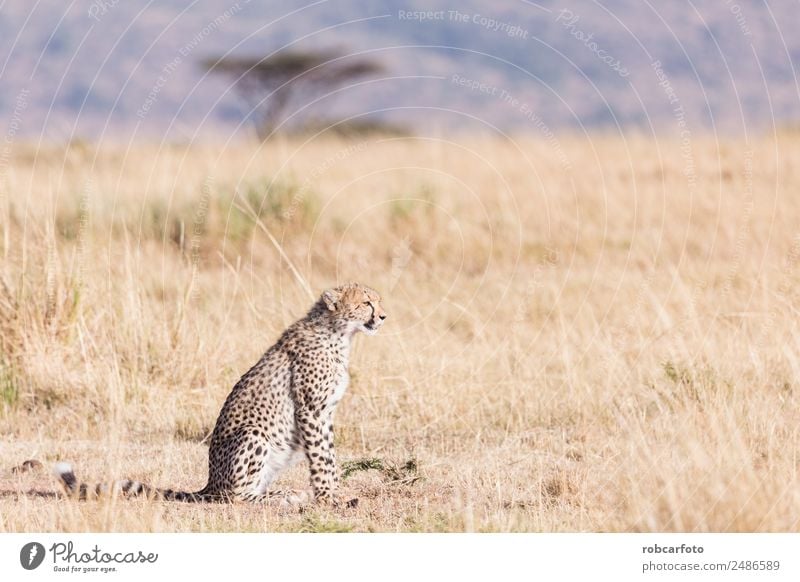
(590, 335)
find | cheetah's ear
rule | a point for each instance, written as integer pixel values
(330, 297)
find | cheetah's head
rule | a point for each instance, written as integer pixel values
(358, 305)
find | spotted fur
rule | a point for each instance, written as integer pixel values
(280, 411)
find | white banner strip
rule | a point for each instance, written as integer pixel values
(354, 557)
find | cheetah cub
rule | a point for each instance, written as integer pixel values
(280, 410)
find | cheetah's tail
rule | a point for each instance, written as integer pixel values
(124, 487)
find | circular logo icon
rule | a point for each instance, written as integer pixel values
(31, 555)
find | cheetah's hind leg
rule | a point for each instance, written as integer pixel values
(284, 499)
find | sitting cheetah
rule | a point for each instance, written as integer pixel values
(280, 410)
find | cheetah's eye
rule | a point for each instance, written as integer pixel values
(366, 303)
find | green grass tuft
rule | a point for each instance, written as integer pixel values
(9, 385)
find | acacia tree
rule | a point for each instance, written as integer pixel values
(270, 84)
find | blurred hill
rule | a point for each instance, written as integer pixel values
(114, 67)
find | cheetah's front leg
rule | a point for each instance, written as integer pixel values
(317, 434)
(328, 433)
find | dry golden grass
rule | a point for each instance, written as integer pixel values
(612, 346)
